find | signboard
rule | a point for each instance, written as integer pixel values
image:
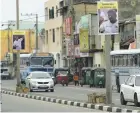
(77, 51)
(70, 48)
(138, 30)
(84, 40)
(68, 26)
(108, 18)
(18, 40)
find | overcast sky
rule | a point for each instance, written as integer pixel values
(8, 9)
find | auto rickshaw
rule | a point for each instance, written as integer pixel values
(97, 77)
(85, 76)
(61, 76)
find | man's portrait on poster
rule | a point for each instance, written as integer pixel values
(18, 42)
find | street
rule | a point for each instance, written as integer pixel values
(18, 104)
(71, 93)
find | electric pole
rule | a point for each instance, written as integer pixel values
(8, 24)
(18, 51)
(36, 25)
(108, 67)
(108, 70)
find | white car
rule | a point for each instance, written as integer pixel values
(130, 90)
(38, 80)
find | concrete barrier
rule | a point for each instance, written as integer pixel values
(96, 98)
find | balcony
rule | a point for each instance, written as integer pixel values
(85, 1)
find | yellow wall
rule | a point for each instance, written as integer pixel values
(29, 42)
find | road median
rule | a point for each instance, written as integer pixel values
(103, 107)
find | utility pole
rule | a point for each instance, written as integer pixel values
(108, 70)
(18, 51)
(8, 24)
(36, 28)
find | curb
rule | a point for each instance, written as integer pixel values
(71, 103)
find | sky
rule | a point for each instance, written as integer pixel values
(8, 9)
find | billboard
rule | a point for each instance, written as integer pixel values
(84, 40)
(18, 40)
(138, 30)
(108, 18)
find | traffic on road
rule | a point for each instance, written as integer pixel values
(72, 92)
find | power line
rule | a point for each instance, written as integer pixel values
(78, 13)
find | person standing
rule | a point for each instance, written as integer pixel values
(76, 78)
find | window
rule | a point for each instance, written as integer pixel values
(128, 80)
(46, 36)
(53, 35)
(46, 13)
(137, 81)
(51, 13)
(56, 11)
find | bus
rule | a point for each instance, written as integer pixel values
(24, 58)
(124, 63)
(45, 60)
(38, 62)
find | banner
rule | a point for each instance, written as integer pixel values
(138, 31)
(18, 40)
(108, 18)
(84, 40)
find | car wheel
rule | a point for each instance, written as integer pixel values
(46, 90)
(123, 102)
(30, 88)
(136, 100)
(52, 90)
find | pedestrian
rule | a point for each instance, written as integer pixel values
(76, 78)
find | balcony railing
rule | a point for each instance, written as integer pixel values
(84, 1)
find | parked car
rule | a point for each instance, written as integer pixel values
(38, 80)
(130, 90)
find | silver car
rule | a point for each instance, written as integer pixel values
(38, 80)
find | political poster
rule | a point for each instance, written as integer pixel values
(108, 18)
(18, 40)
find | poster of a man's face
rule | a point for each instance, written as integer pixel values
(18, 42)
(108, 18)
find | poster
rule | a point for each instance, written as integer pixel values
(84, 40)
(108, 23)
(18, 40)
(138, 31)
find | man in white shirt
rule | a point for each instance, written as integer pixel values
(110, 26)
(17, 43)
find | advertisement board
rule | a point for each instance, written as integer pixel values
(108, 18)
(84, 40)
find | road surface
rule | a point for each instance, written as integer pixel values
(71, 93)
(19, 104)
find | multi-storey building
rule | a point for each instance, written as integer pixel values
(53, 30)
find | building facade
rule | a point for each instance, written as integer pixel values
(53, 30)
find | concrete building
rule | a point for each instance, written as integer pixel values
(53, 30)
